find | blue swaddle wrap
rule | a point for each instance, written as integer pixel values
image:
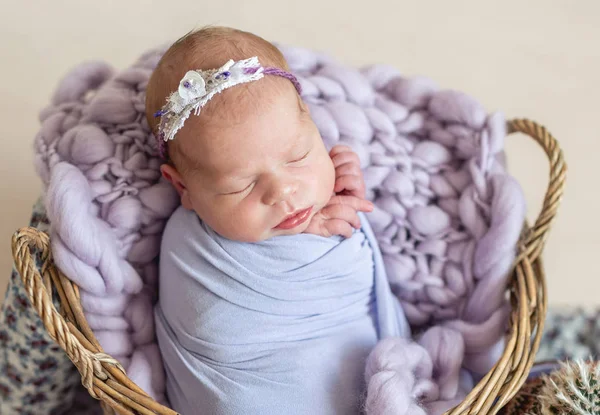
(282, 326)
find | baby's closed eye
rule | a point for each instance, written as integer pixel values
(247, 188)
(304, 157)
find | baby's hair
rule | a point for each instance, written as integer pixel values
(205, 48)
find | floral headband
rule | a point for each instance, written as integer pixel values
(197, 87)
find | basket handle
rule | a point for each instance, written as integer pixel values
(39, 291)
(528, 291)
(535, 236)
(102, 375)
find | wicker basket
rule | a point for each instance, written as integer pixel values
(106, 380)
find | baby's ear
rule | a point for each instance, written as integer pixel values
(170, 173)
(303, 106)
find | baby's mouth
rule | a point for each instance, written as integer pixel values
(295, 219)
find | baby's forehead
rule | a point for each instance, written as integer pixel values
(253, 119)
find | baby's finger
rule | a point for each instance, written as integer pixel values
(362, 205)
(348, 169)
(350, 183)
(339, 148)
(345, 157)
(343, 212)
(339, 227)
(315, 225)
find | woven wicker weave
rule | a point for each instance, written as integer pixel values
(105, 379)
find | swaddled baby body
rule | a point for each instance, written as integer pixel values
(272, 289)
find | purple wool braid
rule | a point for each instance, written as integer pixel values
(447, 218)
(284, 74)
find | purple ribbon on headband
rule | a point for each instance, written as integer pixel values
(277, 72)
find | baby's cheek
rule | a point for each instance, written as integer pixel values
(248, 220)
(327, 176)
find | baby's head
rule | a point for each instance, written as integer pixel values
(253, 156)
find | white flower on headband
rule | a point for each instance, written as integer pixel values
(192, 86)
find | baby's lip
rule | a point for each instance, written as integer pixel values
(295, 218)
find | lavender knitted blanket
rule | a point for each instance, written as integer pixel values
(447, 218)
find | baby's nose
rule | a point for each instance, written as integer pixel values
(279, 191)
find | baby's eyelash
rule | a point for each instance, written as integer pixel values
(241, 191)
(301, 158)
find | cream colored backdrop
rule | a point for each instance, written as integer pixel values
(534, 58)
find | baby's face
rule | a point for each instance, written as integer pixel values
(251, 171)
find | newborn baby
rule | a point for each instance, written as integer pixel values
(272, 290)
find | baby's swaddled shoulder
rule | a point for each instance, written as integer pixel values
(182, 265)
(180, 227)
(178, 220)
(179, 245)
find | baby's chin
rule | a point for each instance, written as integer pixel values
(266, 234)
(273, 232)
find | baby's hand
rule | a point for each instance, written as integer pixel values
(348, 174)
(339, 216)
